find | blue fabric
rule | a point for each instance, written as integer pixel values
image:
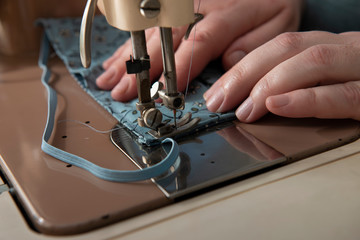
(64, 37)
(103, 173)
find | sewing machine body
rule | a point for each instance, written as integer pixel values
(136, 17)
(62, 199)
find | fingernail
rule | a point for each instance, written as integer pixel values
(243, 112)
(236, 56)
(279, 101)
(207, 94)
(214, 101)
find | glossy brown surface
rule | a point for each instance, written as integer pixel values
(61, 199)
(300, 138)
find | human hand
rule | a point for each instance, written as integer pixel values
(230, 28)
(310, 74)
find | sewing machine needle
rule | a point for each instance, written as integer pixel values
(174, 117)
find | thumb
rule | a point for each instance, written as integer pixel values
(331, 101)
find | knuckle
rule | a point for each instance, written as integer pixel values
(351, 90)
(311, 96)
(234, 84)
(177, 33)
(321, 55)
(234, 79)
(203, 36)
(289, 40)
(265, 87)
(350, 37)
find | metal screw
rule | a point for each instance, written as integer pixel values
(150, 8)
(155, 88)
(152, 117)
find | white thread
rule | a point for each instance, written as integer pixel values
(192, 54)
(91, 127)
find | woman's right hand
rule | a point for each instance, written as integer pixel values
(230, 28)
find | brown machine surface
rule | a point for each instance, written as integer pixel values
(62, 199)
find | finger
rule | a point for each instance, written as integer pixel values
(236, 84)
(115, 73)
(126, 47)
(110, 77)
(126, 90)
(155, 52)
(332, 101)
(320, 64)
(213, 35)
(117, 68)
(206, 43)
(125, 50)
(114, 67)
(266, 31)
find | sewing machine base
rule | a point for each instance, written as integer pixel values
(59, 199)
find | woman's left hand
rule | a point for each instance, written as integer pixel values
(309, 74)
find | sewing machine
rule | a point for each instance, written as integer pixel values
(60, 199)
(135, 18)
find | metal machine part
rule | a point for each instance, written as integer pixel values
(172, 99)
(150, 8)
(206, 158)
(147, 12)
(85, 33)
(185, 124)
(139, 65)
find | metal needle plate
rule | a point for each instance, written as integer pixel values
(207, 158)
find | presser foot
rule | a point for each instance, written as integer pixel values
(169, 130)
